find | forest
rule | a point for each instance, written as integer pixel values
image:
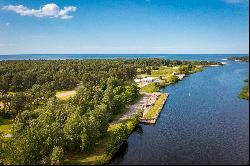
(45, 128)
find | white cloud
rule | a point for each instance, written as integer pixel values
(236, 1)
(49, 10)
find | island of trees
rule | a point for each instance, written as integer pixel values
(39, 128)
(242, 59)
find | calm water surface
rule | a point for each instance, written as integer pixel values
(211, 126)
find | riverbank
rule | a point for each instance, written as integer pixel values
(149, 105)
(157, 99)
(118, 132)
(223, 63)
(164, 75)
(203, 107)
(244, 94)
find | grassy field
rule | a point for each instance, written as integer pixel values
(156, 108)
(150, 88)
(5, 125)
(163, 71)
(64, 95)
(91, 158)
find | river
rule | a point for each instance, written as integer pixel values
(203, 122)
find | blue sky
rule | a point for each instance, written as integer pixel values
(124, 26)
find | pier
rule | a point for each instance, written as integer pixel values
(151, 115)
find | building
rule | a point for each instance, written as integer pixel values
(147, 80)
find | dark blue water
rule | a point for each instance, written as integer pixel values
(210, 57)
(211, 126)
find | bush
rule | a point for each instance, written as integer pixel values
(244, 94)
(151, 87)
(57, 156)
(172, 79)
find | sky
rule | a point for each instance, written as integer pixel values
(124, 27)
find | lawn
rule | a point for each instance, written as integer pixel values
(64, 95)
(92, 157)
(150, 88)
(163, 71)
(5, 125)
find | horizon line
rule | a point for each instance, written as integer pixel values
(129, 54)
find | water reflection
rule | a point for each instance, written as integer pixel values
(138, 130)
(119, 156)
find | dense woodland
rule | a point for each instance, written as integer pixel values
(45, 128)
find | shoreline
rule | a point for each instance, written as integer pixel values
(143, 121)
(223, 63)
(154, 119)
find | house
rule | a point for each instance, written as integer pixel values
(149, 79)
(137, 80)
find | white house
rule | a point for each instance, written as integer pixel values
(137, 80)
(149, 79)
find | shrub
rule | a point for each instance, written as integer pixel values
(57, 156)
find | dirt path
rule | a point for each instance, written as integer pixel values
(144, 103)
(7, 135)
(66, 94)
